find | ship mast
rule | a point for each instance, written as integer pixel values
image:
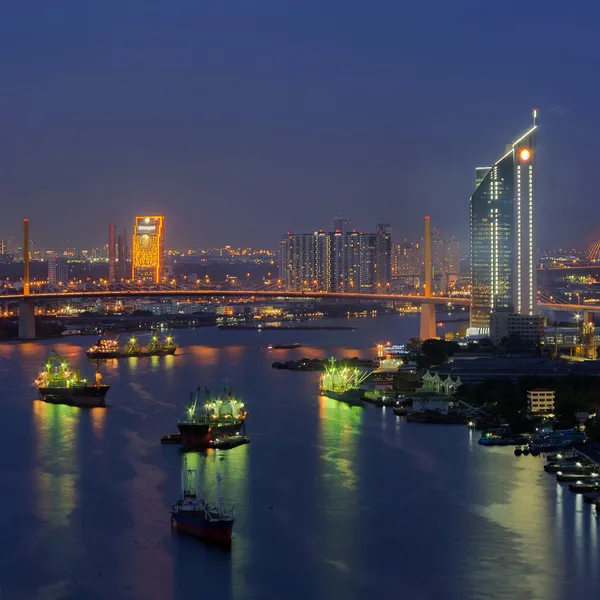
(219, 495)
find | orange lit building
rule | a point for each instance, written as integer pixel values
(147, 248)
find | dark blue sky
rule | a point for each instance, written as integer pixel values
(240, 120)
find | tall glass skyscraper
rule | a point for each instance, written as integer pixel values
(502, 235)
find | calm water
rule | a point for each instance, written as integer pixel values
(331, 501)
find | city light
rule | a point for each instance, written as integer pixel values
(524, 154)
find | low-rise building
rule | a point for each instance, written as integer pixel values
(528, 327)
(541, 401)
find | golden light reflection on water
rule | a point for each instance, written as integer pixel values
(97, 417)
(204, 355)
(525, 509)
(32, 350)
(55, 474)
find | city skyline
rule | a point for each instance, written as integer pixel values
(89, 131)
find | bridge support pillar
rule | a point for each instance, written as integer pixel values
(26, 320)
(428, 328)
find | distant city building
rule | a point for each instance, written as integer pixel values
(502, 235)
(112, 247)
(541, 402)
(341, 224)
(297, 262)
(383, 263)
(332, 262)
(147, 248)
(504, 323)
(58, 270)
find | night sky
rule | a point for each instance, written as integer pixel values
(243, 119)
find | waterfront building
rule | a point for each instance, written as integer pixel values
(541, 402)
(502, 235)
(147, 249)
(383, 264)
(504, 323)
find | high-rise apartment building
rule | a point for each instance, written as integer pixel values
(409, 259)
(58, 270)
(147, 249)
(502, 235)
(331, 262)
(297, 261)
(383, 263)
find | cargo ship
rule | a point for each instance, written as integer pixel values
(219, 418)
(342, 382)
(59, 384)
(110, 348)
(191, 514)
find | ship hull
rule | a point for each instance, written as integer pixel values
(139, 354)
(353, 397)
(88, 397)
(218, 532)
(196, 436)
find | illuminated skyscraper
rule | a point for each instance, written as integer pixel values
(297, 261)
(58, 270)
(147, 249)
(502, 235)
(383, 266)
(112, 247)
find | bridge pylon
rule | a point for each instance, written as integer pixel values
(428, 329)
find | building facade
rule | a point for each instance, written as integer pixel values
(504, 323)
(147, 249)
(58, 270)
(383, 262)
(502, 235)
(329, 262)
(541, 402)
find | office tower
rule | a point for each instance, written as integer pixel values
(341, 224)
(383, 265)
(111, 252)
(147, 249)
(58, 270)
(368, 257)
(298, 261)
(502, 235)
(480, 175)
(452, 257)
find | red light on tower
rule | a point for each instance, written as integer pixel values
(525, 154)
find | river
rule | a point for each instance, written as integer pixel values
(331, 501)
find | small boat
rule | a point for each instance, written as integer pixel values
(230, 442)
(564, 467)
(402, 411)
(172, 438)
(191, 514)
(284, 346)
(581, 487)
(589, 497)
(584, 475)
(110, 348)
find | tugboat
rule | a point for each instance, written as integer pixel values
(109, 348)
(192, 515)
(58, 384)
(221, 418)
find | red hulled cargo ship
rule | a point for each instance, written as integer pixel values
(191, 514)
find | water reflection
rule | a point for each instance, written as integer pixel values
(56, 473)
(97, 417)
(338, 493)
